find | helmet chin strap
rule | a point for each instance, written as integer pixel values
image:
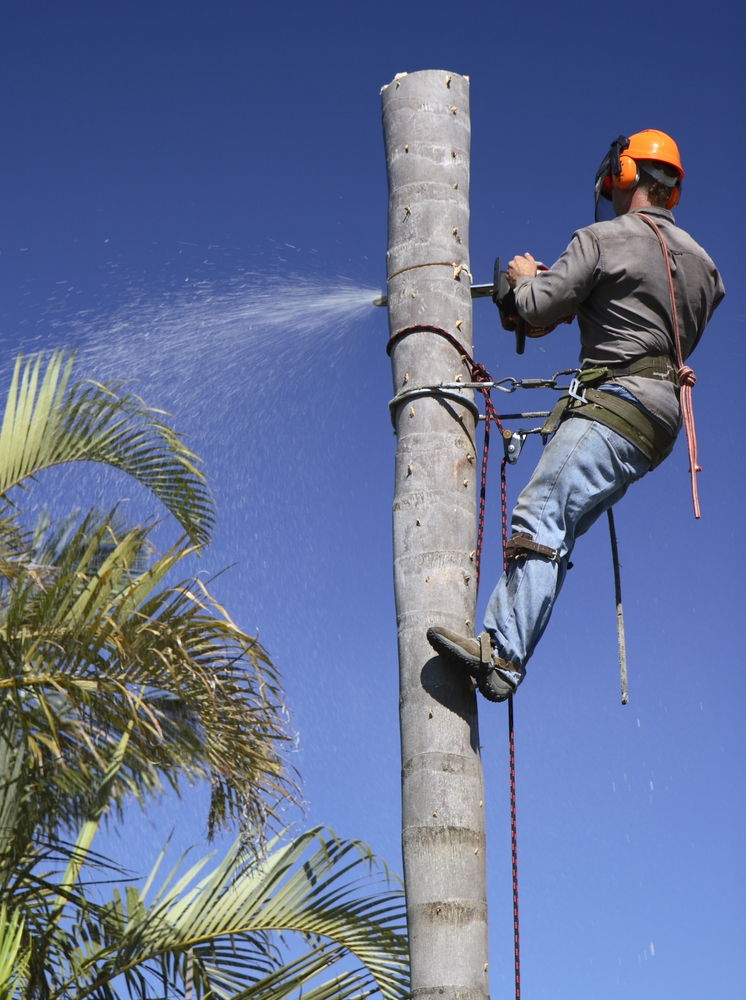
(657, 174)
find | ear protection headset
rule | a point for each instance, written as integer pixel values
(625, 173)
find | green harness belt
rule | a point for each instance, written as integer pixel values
(583, 400)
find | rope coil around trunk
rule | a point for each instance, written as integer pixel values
(478, 374)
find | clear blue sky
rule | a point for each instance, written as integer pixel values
(151, 149)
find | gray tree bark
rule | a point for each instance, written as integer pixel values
(426, 133)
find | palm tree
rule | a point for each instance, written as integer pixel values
(215, 930)
(426, 129)
(114, 682)
(90, 648)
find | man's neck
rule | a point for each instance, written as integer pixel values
(639, 200)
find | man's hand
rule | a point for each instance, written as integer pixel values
(520, 266)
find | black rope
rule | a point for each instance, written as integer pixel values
(619, 610)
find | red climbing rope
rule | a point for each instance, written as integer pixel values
(514, 851)
(687, 378)
(480, 374)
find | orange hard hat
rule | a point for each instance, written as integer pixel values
(651, 144)
(621, 164)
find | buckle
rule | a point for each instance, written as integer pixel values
(573, 388)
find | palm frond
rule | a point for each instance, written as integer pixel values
(91, 825)
(11, 792)
(13, 957)
(324, 890)
(101, 649)
(48, 422)
(14, 542)
(294, 977)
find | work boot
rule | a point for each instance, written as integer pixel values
(477, 656)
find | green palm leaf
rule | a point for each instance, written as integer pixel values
(316, 886)
(13, 958)
(294, 977)
(48, 422)
(102, 651)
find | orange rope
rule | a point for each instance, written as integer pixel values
(687, 378)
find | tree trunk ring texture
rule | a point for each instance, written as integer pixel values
(426, 129)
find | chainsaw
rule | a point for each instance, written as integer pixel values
(504, 298)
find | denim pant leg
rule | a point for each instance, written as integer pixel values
(583, 471)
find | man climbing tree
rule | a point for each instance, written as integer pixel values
(643, 292)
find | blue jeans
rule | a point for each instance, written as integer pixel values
(583, 471)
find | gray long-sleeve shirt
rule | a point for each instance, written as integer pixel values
(613, 276)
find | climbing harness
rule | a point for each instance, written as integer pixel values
(583, 399)
(620, 414)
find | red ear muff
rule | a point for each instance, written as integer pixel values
(673, 198)
(628, 175)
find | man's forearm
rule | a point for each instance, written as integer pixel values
(557, 292)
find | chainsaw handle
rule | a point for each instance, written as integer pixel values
(520, 323)
(520, 335)
(496, 282)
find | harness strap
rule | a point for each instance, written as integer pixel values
(619, 414)
(487, 655)
(626, 418)
(485, 648)
(521, 543)
(657, 366)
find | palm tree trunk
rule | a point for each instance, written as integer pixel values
(426, 133)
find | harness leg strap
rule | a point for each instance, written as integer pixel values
(521, 543)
